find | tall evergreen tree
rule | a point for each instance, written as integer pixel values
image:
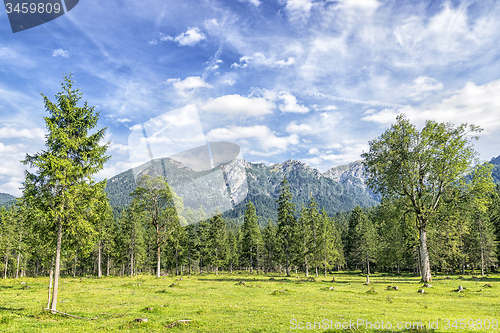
(330, 245)
(355, 218)
(155, 196)
(233, 258)
(269, 250)
(286, 223)
(62, 186)
(7, 236)
(218, 246)
(251, 241)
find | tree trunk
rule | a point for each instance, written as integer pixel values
(251, 260)
(425, 268)
(158, 257)
(368, 266)
(287, 263)
(132, 262)
(6, 265)
(99, 271)
(107, 266)
(17, 265)
(307, 266)
(57, 268)
(482, 260)
(317, 271)
(176, 261)
(50, 281)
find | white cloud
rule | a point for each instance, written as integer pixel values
(256, 3)
(346, 153)
(123, 120)
(12, 188)
(290, 104)
(472, 104)
(189, 38)
(188, 85)
(448, 36)
(422, 86)
(7, 53)
(259, 59)
(369, 5)
(24, 133)
(299, 9)
(293, 127)
(239, 105)
(60, 53)
(267, 140)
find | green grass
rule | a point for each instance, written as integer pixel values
(263, 303)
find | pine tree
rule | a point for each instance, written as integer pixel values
(62, 186)
(7, 236)
(132, 238)
(233, 253)
(330, 243)
(350, 243)
(286, 223)
(218, 245)
(155, 196)
(252, 239)
(269, 250)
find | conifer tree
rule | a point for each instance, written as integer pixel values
(251, 241)
(62, 186)
(286, 224)
(218, 245)
(155, 196)
(330, 243)
(269, 250)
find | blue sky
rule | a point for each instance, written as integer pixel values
(302, 79)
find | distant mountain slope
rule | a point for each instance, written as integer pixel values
(496, 169)
(6, 199)
(339, 189)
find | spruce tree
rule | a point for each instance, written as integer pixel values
(252, 239)
(286, 224)
(269, 250)
(154, 196)
(218, 245)
(62, 186)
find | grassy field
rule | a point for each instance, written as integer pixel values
(250, 303)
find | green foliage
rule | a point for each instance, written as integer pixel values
(251, 238)
(217, 244)
(424, 167)
(286, 225)
(62, 187)
(61, 192)
(155, 197)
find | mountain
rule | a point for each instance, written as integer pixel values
(496, 169)
(338, 189)
(6, 199)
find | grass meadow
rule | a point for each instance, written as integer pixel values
(253, 303)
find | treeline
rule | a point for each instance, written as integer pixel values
(307, 240)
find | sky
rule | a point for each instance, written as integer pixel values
(310, 80)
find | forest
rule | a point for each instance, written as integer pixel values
(439, 213)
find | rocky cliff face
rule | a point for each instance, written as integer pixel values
(339, 189)
(350, 174)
